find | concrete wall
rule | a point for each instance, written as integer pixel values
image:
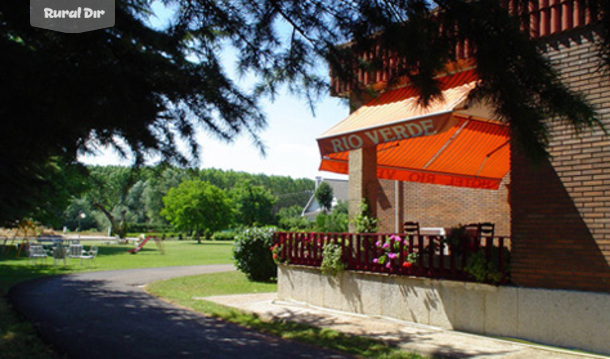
(563, 318)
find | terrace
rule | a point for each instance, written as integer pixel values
(470, 256)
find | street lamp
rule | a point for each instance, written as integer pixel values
(81, 215)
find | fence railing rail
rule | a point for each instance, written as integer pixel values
(477, 258)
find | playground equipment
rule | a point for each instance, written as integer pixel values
(28, 228)
(142, 243)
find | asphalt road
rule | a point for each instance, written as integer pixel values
(103, 315)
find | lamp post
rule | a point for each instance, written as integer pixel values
(81, 215)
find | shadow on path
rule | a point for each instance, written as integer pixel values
(85, 316)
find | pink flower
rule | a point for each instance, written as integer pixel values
(388, 265)
(386, 245)
(375, 260)
(392, 255)
(378, 244)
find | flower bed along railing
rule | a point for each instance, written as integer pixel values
(474, 258)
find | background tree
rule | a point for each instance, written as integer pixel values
(197, 207)
(324, 195)
(334, 222)
(290, 219)
(129, 86)
(253, 204)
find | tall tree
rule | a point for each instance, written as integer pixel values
(254, 204)
(198, 207)
(129, 86)
(324, 195)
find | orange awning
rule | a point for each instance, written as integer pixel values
(448, 143)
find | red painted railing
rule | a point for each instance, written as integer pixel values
(401, 254)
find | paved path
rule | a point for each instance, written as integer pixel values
(102, 315)
(411, 337)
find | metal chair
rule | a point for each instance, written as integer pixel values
(486, 229)
(411, 228)
(36, 252)
(75, 250)
(481, 230)
(89, 255)
(59, 254)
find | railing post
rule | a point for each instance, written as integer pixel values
(420, 255)
(358, 251)
(441, 256)
(431, 270)
(501, 259)
(302, 243)
(367, 258)
(401, 255)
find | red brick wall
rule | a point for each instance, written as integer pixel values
(442, 206)
(561, 209)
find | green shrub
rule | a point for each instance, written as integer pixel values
(484, 271)
(224, 236)
(364, 222)
(161, 235)
(332, 259)
(252, 255)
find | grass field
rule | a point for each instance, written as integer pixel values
(111, 257)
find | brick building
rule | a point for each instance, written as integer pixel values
(558, 213)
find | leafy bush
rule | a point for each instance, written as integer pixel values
(224, 236)
(161, 235)
(332, 259)
(335, 221)
(146, 228)
(290, 219)
(252, 255)
(485, 271)
(363, 221)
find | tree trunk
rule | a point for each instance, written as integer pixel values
(117, 229)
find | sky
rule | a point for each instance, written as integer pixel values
(290, 136)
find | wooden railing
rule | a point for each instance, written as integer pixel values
(403, 254)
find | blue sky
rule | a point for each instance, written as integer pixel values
(290, 136)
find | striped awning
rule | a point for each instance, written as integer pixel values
(451, 142)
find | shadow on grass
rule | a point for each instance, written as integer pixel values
(313, 333)
(19, 270)
(208, 243)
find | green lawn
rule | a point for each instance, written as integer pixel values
(177, 253)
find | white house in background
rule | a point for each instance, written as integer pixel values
(313, 207)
